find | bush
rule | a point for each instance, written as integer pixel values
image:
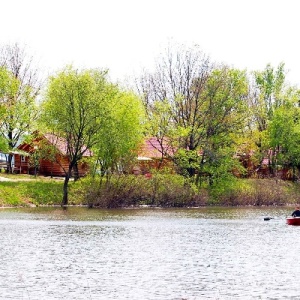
(130, 190)
(256, 192)
(164, 190)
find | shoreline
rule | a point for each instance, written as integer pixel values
(138, 193)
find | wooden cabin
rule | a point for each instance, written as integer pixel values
(46, 155)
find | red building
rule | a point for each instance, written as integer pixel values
(153, 154)
(47, 155)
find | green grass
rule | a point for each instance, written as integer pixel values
(36, 192)
(27, 191)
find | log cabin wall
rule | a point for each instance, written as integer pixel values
(21, 164)
(50, 168)
(47, 167)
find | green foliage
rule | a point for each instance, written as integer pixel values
(168, 190)
(186, 161)
(268, 93)
(219, 166)
(206, 113)
(223, 189)
(120, 133)
(9, 86)
(253, 192)
(75, 102)
(74, 109)
(196, 107)
(284, 135)
(163, 190)
(3, 145)
(18, 109)
(159, 190)
(270, 84)
(159, 119)
(225, 102)
(92, 114)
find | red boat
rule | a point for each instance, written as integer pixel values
(293, 220)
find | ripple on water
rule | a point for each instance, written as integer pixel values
(148, 254)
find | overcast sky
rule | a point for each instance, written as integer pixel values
(128, 35)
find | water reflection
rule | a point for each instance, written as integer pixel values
(206, 253)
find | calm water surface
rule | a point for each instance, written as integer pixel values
(206, 253)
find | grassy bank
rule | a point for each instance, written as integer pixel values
(22, 190)
(159, 190)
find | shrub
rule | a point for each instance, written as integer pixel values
(130, 190)
(256, 192)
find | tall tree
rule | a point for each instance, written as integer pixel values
(76, 101)
(224, 116)
(284, 133)
(121, 132)
(201, 104)
(269, 91)
(179, 79)
(266, 91)
(19, 103)
(161, 126)
(7, 87)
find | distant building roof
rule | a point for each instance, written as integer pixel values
(61, 144)
(58, 142)
(152, 148)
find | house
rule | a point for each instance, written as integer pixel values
(3, 161)
(153, 154)
(47, 155)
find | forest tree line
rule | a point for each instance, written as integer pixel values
(209, 113)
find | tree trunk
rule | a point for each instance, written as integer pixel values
(66, 188)
(9, 165)
(76, 172)
(10, 155)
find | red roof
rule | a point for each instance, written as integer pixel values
(152, 148)
(58, 142)
(61, 144)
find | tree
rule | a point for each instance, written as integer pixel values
(284, 133)
(266, 91)
(75, 104)
(160, 125)
(18, 103)
(173, 99)
(120, 132)
(178, 82)
(224, 120)
(202, 105)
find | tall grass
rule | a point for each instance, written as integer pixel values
(131, 190)
(255, 192)
(175, 191)
(163, 190)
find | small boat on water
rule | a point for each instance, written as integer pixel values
(293, 220)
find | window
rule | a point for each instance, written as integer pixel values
(23, 158)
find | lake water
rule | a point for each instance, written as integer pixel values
(205, 253)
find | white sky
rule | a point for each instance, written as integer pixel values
(127, 35)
